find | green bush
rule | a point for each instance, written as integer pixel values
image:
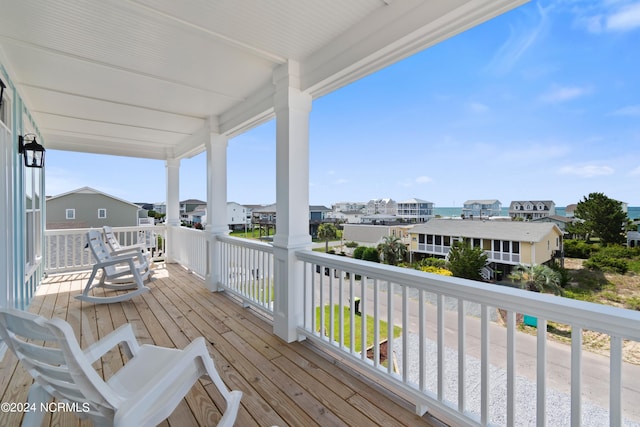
(578, 249)
(602, 262)
(433, 262)
(633, 303)
(359, 252)
(371, 254)
(351, 244)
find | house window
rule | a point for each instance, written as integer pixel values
(496, 245)
(70, 214)
(515, 247)
(438, 240)
(102, 213)
(447, 240)
(429, 239)
(420, 238)
(505, 246)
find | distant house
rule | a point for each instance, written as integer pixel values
(238, 216)
(190, 205)
(372, 235)
(559, 220)
(481, 208)
(382, 207)
(415, 210)
(86, 208)
(349, 207)
(532, 209)
(507, 244)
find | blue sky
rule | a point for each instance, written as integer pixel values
(540, 103)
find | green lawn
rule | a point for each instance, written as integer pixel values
(397, 331)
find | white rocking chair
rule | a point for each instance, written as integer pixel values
(144, 392)
(119, 272)
(118, 249)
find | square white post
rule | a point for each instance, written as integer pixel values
(292, 108)
(217, 222)
(173, 203)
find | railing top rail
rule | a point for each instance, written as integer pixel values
(261, 246)
(61, 231)
(610, 320)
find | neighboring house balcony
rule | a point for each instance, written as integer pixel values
(456, 350)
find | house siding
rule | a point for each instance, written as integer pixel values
(119, 214)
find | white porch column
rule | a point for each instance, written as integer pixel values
(172, 218)
(217, 222)
(292, 109)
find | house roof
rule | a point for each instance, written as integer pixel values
(414, 201)
(547, 203)
(499, 230)
(153, 78)
(89, 190)
(318, 208)
(482, 202)
(193, 202)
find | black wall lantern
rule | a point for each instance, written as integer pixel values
(2, 87)
(32, 151)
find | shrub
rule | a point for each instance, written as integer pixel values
(633, 303)
(359, 252)
(603, 262)
(351, 244)
(436, 270)
(371, 254)
(433, 262)
(578, 249)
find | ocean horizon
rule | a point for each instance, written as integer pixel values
(633, 212)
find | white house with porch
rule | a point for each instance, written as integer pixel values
(169, 80)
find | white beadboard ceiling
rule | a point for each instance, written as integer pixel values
(147, 78)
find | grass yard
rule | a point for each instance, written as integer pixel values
(397, 331)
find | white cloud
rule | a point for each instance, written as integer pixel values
(423, 180)
(587, 171)
(626, 19)
(607, 16)
(522, 36)
(630, 110)
(563, 93)
(478, 107)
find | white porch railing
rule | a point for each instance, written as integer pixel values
(65, 250)
(189, 247)
(454, 346)
(455, 359)
(247, 270)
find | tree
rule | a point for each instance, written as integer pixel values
(465, 261)
(602, 218)
(392, 250)
(326, 232)
(537, 277)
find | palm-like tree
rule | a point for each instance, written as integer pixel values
(392, 249)
(326, 232)
(537, 277)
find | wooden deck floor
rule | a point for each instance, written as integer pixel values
(283, 384)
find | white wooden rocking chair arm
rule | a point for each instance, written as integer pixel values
(124, 334)
(128, 250)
